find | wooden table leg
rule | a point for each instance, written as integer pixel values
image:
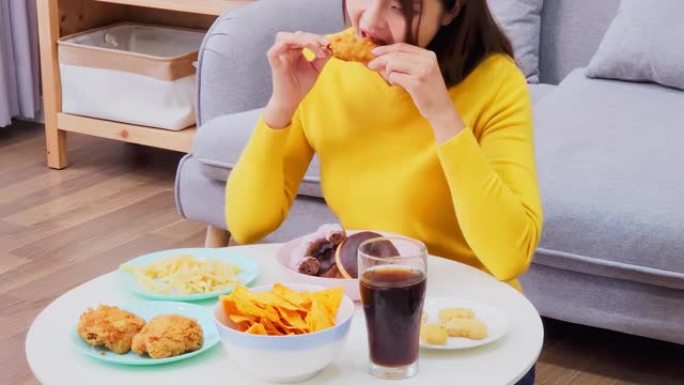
(48, 32)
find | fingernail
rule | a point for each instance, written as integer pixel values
(324, 41)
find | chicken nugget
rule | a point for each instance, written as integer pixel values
(110, 327)
(472, 328)
(433, 334)
(168, 335)
(449, 313)
(348, 46)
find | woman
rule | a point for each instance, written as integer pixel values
(431, 139)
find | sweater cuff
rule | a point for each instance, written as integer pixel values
(267, 142)
(265, 132)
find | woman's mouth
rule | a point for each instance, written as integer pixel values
(375, 39)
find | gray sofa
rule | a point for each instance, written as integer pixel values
(612, 253)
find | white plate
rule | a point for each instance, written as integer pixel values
(496, 321)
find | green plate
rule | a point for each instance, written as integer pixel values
(249, 271)
(148, 310)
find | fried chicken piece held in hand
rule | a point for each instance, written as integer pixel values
(348, 46)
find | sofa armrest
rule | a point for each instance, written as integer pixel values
(233, 73)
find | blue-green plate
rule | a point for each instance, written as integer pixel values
(148, 310)
(249, 271)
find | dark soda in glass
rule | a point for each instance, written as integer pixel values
(392, 298)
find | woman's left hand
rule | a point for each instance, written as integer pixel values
(417, 71)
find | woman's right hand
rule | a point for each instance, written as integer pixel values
(293, 74)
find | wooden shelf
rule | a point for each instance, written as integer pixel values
(205, 7)
(180, 141)
(57, 18)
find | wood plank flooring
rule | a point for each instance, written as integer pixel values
(61, 228)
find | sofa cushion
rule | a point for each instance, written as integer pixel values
(203, 199)
(638, 45)
(521, 21)
(570, 33)
(219, 143)
(609, 158)
(540, 91)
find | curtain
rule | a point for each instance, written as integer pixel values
(19, 60)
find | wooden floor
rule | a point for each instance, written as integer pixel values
(115, 201)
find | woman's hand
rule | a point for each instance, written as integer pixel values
(417, 71)
(293, 74)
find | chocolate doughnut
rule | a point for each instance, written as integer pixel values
(346, 256)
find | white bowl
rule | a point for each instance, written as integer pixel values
(286, 358)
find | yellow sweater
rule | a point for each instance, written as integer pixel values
(473, 199)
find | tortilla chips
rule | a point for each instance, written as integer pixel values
(281, 311)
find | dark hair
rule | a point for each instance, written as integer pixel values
(461, 45)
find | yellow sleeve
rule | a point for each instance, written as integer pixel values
(264, 182)
(493, 182)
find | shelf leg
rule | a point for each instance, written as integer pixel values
(48, 33)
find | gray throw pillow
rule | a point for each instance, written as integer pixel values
(643, 43)
(521, 21)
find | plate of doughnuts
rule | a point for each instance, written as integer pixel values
(327, 257)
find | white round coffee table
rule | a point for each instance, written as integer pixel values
(54, 361)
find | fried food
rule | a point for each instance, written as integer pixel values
(315, 253)
(449, 313)
(110, 327)
(185, 274)
(434, 334)
(453, 322)
(281, 311)
(346, 255)
(168, 335)
(348, 46)
(472, 328)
